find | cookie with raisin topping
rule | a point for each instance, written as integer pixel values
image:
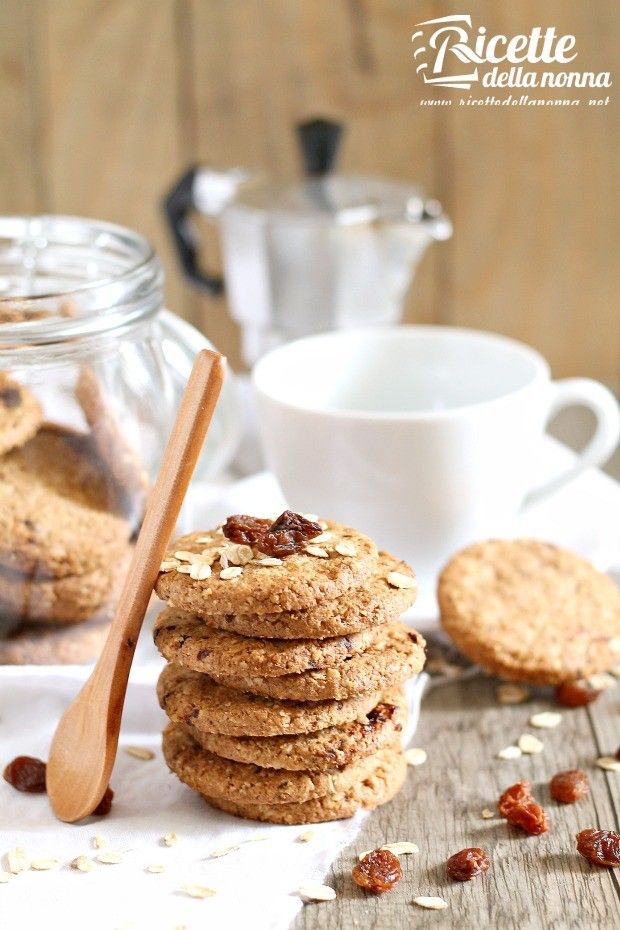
(213, 575)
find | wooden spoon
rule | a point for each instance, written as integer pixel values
(84, 747)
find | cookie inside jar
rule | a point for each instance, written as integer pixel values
(91, 372)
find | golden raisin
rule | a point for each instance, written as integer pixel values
(601, 847)
(378, 871)
(466, 864)
(569, 787)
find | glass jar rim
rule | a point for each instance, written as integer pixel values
(116, 279)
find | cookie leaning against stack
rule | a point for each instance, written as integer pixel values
(286, 668)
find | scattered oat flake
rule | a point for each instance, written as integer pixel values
(139, 752)
(400, 580)
(232, 572)
(267, 561)
(403, 848)
(345, 548)
(82, 864)
(100, 842)
(415, 756)
(316, 892)
(184, 556)
(487, 813)
(203, 540)
(530, 744)
(43, 865)
(4, 877)
(510, 752)
(170, 839)
(306, 836)
(109, 857)
(511, 694)
(218, 853)
(17, 860)
(198, 891)
(317, 551)
(168, 565)
(602, 681)
(547, 720)
(156, 868)
(432, 904)
(608, 763)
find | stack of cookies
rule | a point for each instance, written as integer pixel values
(64, 536)
(286, 666)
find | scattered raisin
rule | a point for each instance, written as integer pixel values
(618, 753)
(569, 787)
(378, 871)
(529, 816)
(602, 847)
(105, 804)
(514, 795)
(10, 397)
(575, 694)
(521, 810)
(26, 774)
(245, 530)
(466, 864)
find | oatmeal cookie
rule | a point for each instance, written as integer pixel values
(529, 611)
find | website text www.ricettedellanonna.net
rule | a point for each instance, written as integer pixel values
(515, 100)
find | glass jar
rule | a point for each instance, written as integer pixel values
(91, 371)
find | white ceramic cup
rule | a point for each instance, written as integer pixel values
(425, 437)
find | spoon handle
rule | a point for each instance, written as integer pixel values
(162, 511)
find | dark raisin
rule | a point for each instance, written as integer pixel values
(521, 810)
(575, 694)
(105, 804)
(618, 753)
(378, 871)
(466, 864)
(246, 530)
(514, 795)
(288, 535)
(10, 397)
(602, 847)
(382, 713)
(26, 774)
(569, 787)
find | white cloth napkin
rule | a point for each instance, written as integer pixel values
(255, 884)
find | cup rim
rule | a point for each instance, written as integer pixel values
(542, 372)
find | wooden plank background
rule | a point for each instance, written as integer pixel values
(103, 104)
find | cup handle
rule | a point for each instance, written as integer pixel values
(572, 392)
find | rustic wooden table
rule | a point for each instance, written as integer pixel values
(534, 882)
